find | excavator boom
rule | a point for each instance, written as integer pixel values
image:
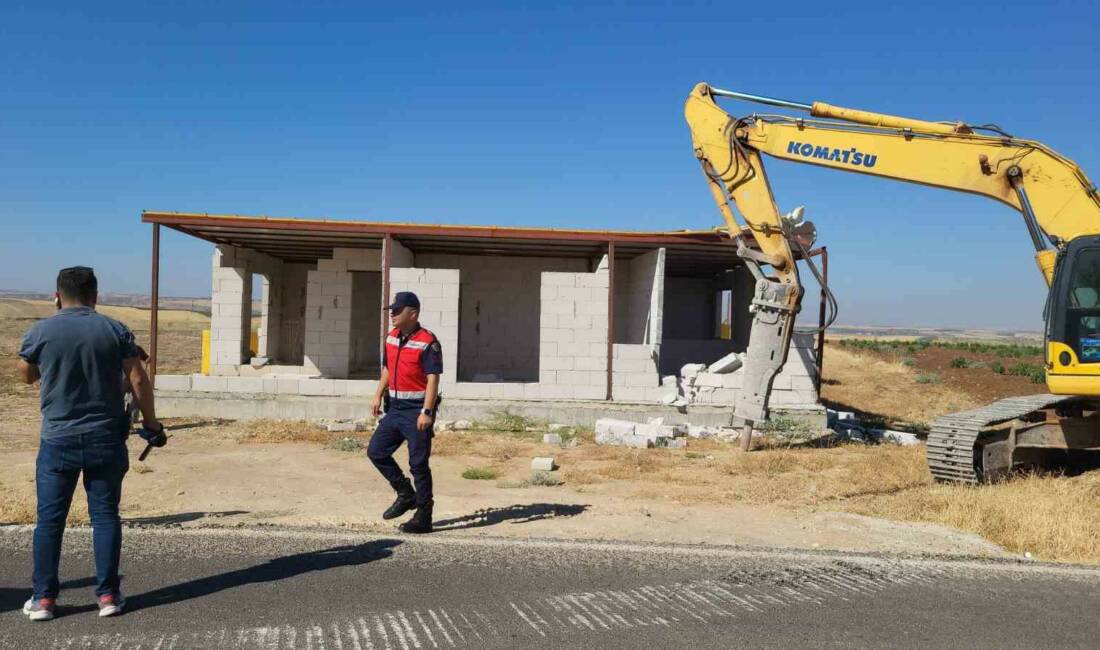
(1059, 204)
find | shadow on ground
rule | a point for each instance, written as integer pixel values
(274, 570)
(517, 514)
(180, 518)
(14, 598)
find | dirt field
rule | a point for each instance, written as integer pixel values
(856, 497)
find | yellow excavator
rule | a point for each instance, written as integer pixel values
(1060, 209)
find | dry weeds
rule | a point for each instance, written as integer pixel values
(887, 388)
(279, 431)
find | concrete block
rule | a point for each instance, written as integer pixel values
(287, 386)
(532, 391)
(594, 335)
(733, 380)
(542, 464)
(590, 392)
(560, 307)
(345, 427)
(590, 363)
(507, 391)
(726, 364)
(708, 379)
(548, 292)
(174, 382)
(664, 394)
(336, 265)
(635, 365)
(245, 384)
(556, 391)
(640, 379)
(559, 279)
(556, 363)
(556, 335)
(209, 384)
(628, 394)
(614, 427)
(551, 439)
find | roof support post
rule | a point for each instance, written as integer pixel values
(387, 254)
(154, 304)
(610, 316)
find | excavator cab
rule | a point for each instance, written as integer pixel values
(1073, 320)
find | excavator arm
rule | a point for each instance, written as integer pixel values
(1058, 202)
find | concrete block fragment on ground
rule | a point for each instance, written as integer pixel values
(345, 427)
(551, 439)
(896, 437)
(614, 427)
(542, 464)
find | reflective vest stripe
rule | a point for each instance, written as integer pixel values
(408, 394)
(417, 345)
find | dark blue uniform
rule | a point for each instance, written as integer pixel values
(409, 360)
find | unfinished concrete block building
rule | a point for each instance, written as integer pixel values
(530, 316)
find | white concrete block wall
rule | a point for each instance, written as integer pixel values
(231, 306)
(438, 290)
(327, 345)
(499, 312)
(639, 298)
(573, 335)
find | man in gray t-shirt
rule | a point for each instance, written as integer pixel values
(82, 361)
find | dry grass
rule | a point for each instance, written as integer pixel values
(280, 431)
(18, 508)
(1053, 517)
(888, 388)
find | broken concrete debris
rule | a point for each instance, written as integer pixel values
(726, 364)
(551, 439)
(847, 426)
(654, 433)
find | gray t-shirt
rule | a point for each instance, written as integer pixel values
(79, 353)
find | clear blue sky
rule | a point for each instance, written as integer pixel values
(558, 115)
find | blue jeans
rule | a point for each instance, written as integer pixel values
(395, 427)
(103, 459)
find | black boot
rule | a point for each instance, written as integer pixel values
(406, 501)
(421, 522)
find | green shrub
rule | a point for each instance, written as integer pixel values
(544, 478)
(998, 367)
(480, 473)
(928, 378)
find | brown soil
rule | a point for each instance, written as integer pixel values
(982, 384)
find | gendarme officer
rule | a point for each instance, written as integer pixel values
(411, 365)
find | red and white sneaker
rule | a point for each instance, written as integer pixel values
(111, 604)
(39, 609)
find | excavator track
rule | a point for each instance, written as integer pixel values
(953, 439)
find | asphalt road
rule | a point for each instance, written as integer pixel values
(272, 588)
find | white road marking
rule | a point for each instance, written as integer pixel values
(527, 620)
(427, 629)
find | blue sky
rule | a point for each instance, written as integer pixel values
(555, 114)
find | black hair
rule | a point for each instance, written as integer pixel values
(77, 283)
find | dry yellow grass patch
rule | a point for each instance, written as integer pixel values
(19, 508)
(280, 431)
(885, 387)
(1053, 517)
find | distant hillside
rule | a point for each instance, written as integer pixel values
(938, 333)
